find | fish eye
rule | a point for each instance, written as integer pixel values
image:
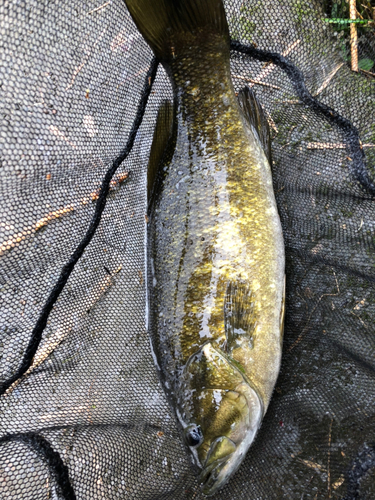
(193, 435)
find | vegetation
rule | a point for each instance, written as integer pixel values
(338, 14)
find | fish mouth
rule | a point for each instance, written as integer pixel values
(226, 455)
(213, 476)
(218, 466)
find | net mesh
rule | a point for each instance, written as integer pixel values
(88, 418)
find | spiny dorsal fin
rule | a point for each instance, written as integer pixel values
(254, 114)
(239, 318)
(162, 136)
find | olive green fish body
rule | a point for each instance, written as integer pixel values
(216, 255)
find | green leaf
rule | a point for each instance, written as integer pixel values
(365, 64)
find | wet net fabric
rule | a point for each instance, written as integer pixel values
(88, 418)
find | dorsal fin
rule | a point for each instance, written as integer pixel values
(255, 116)
(162, 135)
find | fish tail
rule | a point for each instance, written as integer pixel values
(166, 24)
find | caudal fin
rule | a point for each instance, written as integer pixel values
(167, 23)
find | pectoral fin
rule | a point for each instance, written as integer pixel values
(160, 144)
(239, 320)
(255, 116)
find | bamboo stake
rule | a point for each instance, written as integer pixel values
(270, 67)
(333, 145)
(99, 8)
(353, 35)
(67, 326)
(370, 73)
(328, 79)
(15, 239)
(255, 82)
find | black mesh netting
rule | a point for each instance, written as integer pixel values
(82, 412)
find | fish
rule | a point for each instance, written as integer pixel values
(215, 250)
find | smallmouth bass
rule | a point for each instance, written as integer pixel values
(215, 245)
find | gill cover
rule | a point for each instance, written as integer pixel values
(217, 398)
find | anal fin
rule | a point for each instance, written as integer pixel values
(255, 116)
(239, 319)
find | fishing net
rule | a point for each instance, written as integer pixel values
(83, 414)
